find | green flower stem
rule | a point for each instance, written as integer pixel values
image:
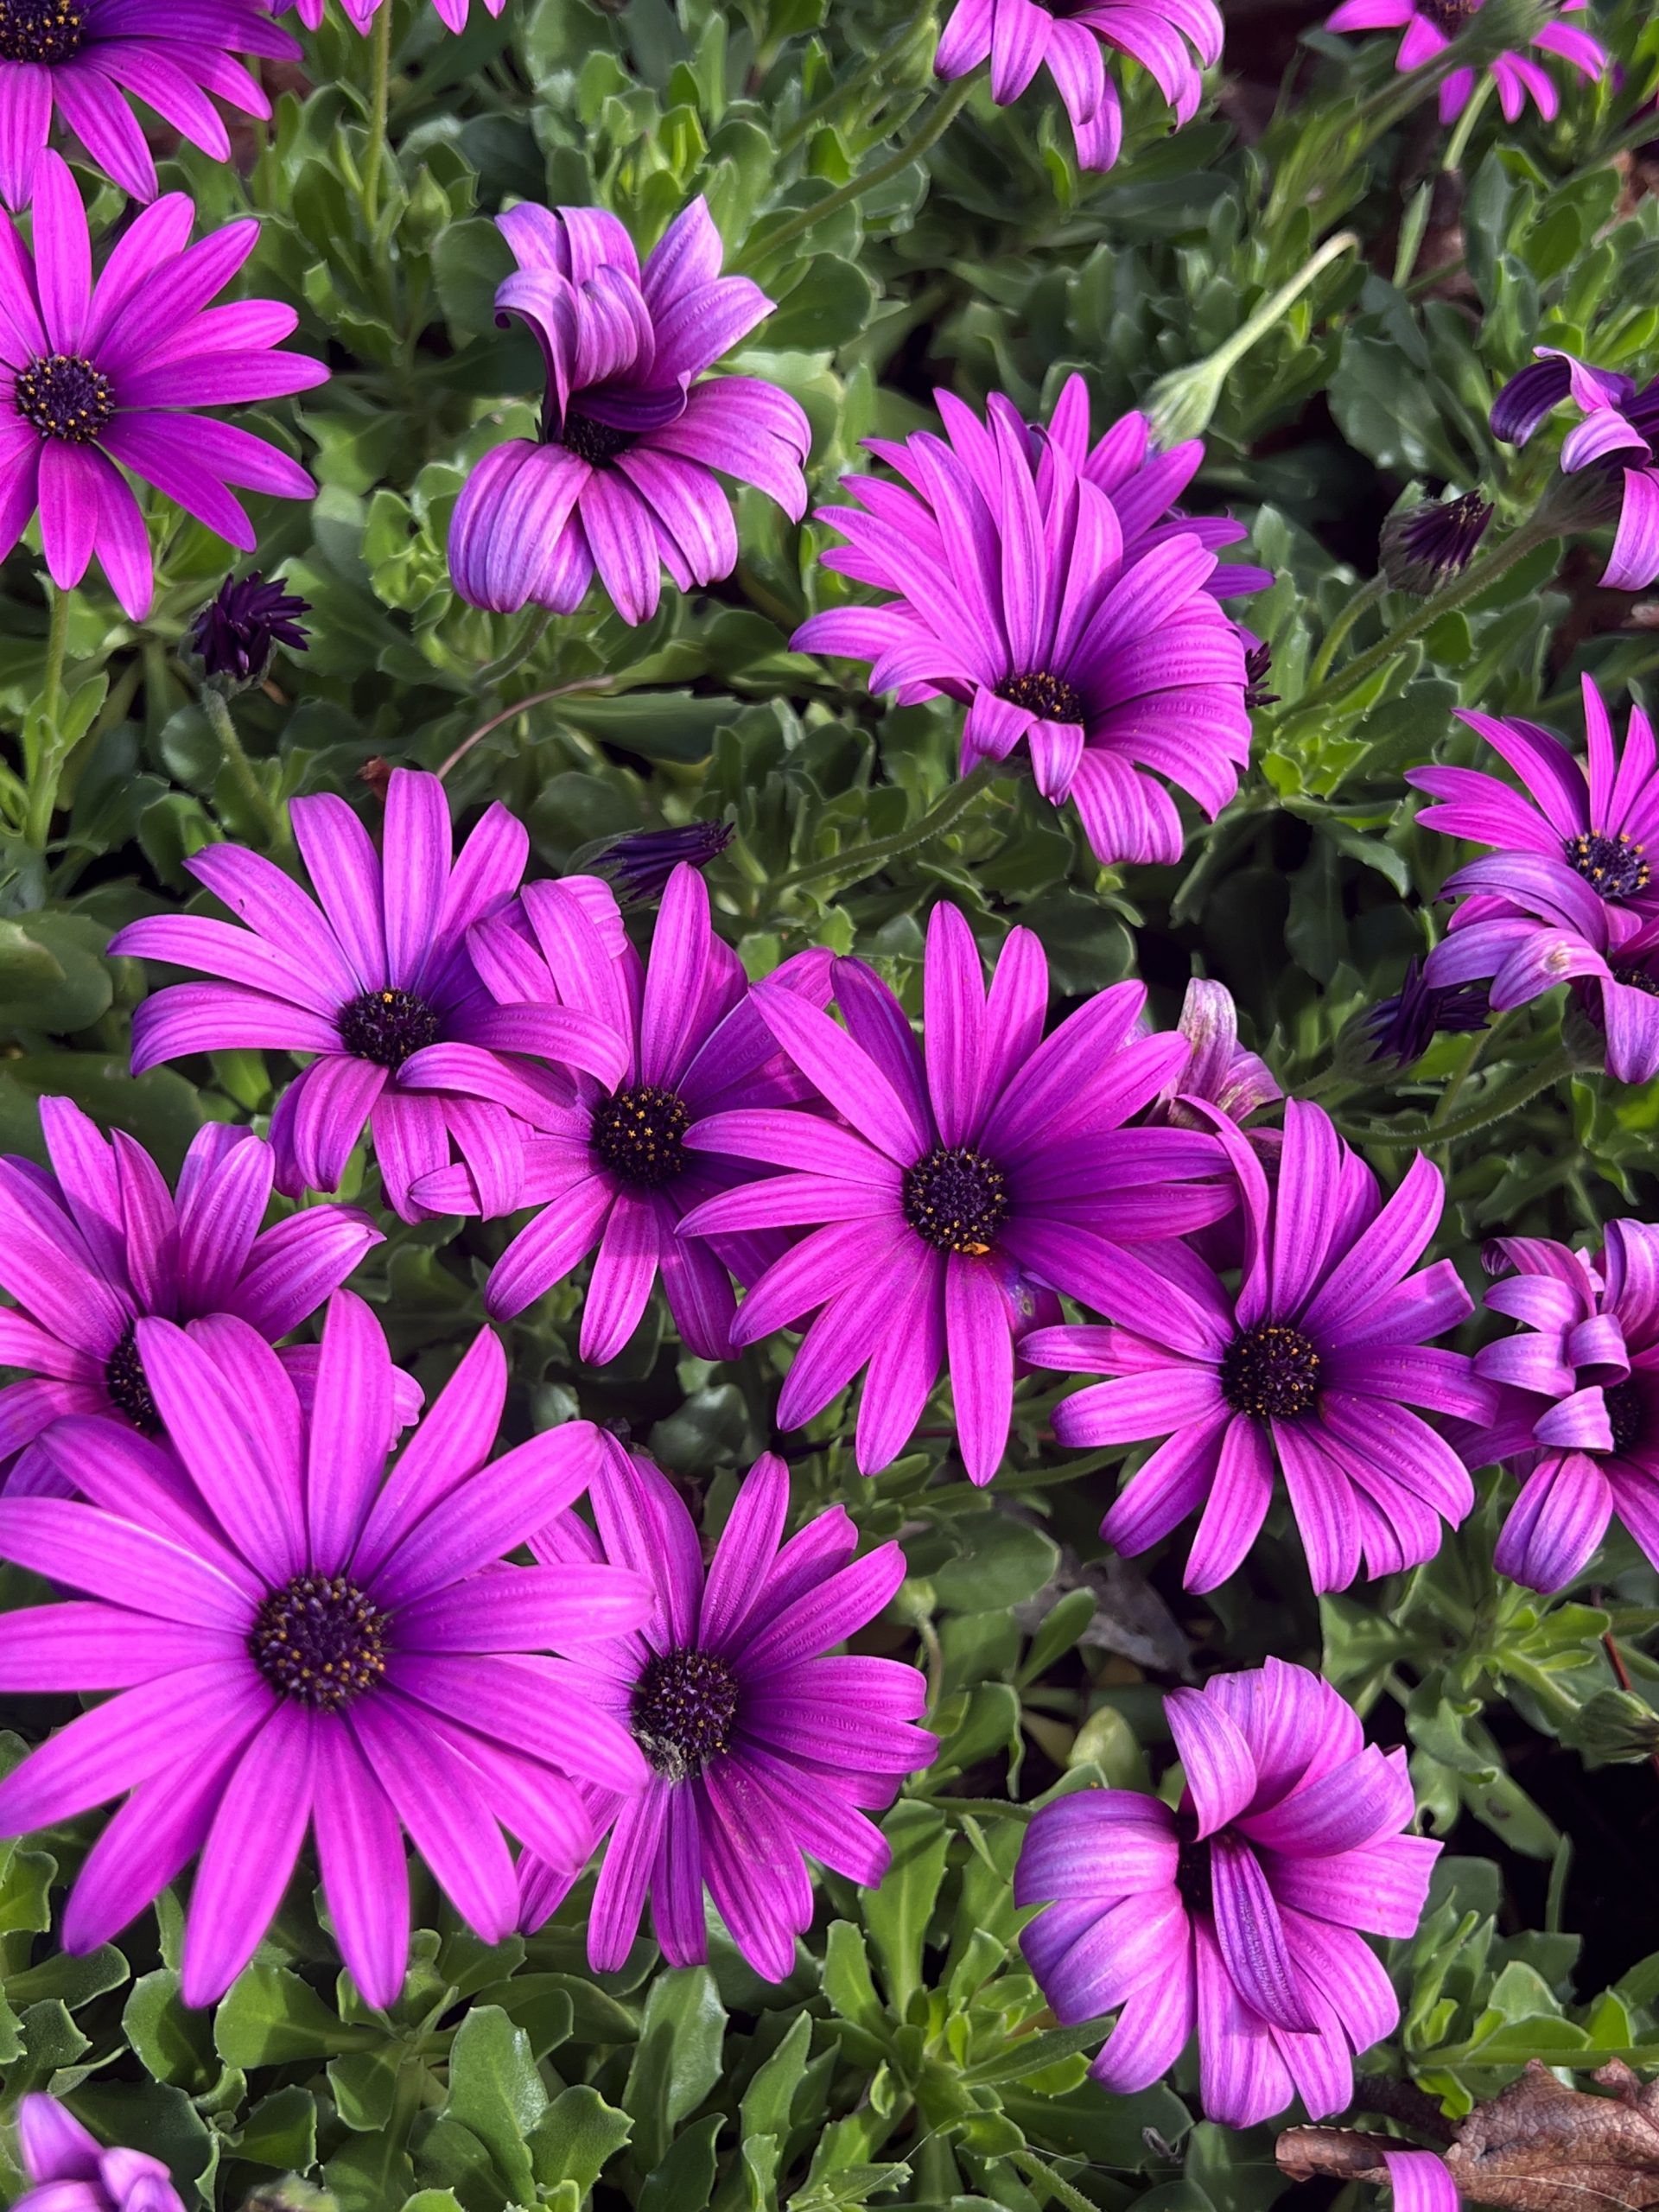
(380, 105)
(268, 811)
(48, 768)
(1510, 1099)
(866, 860)
(946, 108)
(1457, 144)
(531, 632)
(870, 71)
(519, 707)
(1363, 601)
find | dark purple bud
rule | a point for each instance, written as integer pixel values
(234, 634)
(1401, 1029)
(637, 866)
(1426, 546)
(1257, 664)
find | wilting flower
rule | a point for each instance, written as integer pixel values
(1578, 1413)
(639, 865)
(94, 373)
(297, 1648)
(242, 625)
(86, 58)
(1243, 1913)
(1019, 593)
(606, 1160)
(957, 1191)
(622, 477)
(1401, 1029)
(765, 1748)
(1427, 545)
(1018, 36)
(1220, 1069)
(72, 2172)
(365, 979)
(1569, 894)
(1430, 26)
(1309, 1370)
(1614, 441)
(89, 1250)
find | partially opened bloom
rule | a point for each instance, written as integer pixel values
(1020, 593)
(1615, 439)
(243, 623)
(962, 1186)
(1018, 37)
(1426, 546)
(365, 975)
(300, 1646)
(1220, 1072)
(607, 1161)
(70, 2172)
(96, 373)
(622, 477)
(1578, 1414)
(1241, 1915)
(639, 864)
(90, 1249)
(1310, 1370)
(1401, 1029)
(765, 1748)
(87, 59)
(1430, 26)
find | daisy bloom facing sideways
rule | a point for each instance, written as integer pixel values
(764, 1748)
(96, 373)
(1310, 1370)
(70, 2172)
(1430, 26)
(302, 1642)
(1243, 1913)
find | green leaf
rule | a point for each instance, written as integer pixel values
(270, 2018)
(676, 2062)
(174, 2041)
(897, 1915)
(496, 2092)
(576, 2137)
(685, 2180)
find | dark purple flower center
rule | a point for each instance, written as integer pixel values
(41, 30)
(1039, 692)
(684, 1707)
(1627, 971)
(1627, 1415)
(1193, 1881)
(63, 395)
(319, 1639)
(638, 1132)
(593, 442)
(1613, 866)
(955, 1200)
(386, 1027)
(1270, 1372)
(124, 1378)
(1448, 17)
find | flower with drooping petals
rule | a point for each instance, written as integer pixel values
(1018, 37)
(89, 1250)
(764, 1747)
(622, 477)
(365, 975)
(93, 374)
(963, 1185)
(1243, 1913)
(1579, 1412)
(1568, 895)
(1614, 449)
(1020, 594)
(360, 14)
(298, 1645)
(1220, 1072)
(607, 1161)
(243, 623)
(1430, 26)
(70, 2172)
(85, 58)
(1310, 1370)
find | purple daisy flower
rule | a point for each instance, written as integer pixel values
(360, 14)
(86, 57)
(90, 1249)
(1018, 37)
(93, 374)
(1020, 594)
(1568, 893)
(364, 977)
(1578, 1413)
(70, 2170)
(1310, 1369)
(299, 1646)
(1617, 439)
(1430, 26)
(958, 1191)
(1242, 1914)
(606, 1160)
(764, 1747)
(622, 477)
